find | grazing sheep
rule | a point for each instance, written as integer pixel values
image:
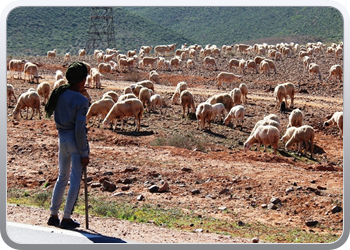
(160, 50)
(104, 68)
(272, 117)
(187, 101)
(295, 118)
(264, 67)
(96, 79)
(236, 114)
(218, 111)
(44, 90)
(112, 94)
(302, 134)
(227, 78)
(145, 97)
(31, 70)
(288, 134)
(244, 92)
(336, 119)
(251, 64)
(271, 65)
(233, 63)
(154, 77)
(190, 64)
(314, 69)
(336, 71)
(81, 52)
(59, 83)
(209, 61)
(204, 114)
(146, 83)
(10, 93)
(99, 108)
(266, 122)
(88, 81)
(127, 90)
(16, 65)
(280, 92)
(175, 62)
(259, 59)
(148, 61)
(224, 98)
(156, 101)
(236, 96)
(107, 58)
(126, 108)
(290, 91)
(29, 99)
(126, 96)
(59, 75)
(51, 53)
(181, 86)
(266, 135)
(67, 56)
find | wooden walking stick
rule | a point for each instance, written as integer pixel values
(86, 200)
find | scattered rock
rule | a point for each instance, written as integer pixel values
(290, 189)
(195, 191)
(186, 169)
(224, 191)
(222, 208)
(95, 185)
(118, 194)
(263, 205)
(153, 189)
(130, 169)
(336, 209)
(272, 206)
(275, 200)
(199, 230)
(311, 223)
(241, 223)
(125, 188)
(108, 173)
(164, 188)
(108, 186)
(255, 240)
(140, 197)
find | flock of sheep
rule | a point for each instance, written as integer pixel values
(141, 97)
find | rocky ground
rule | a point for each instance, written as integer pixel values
(211, 176)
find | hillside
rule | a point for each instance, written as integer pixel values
(35, 30)
(224, 25)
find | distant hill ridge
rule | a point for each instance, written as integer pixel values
(35, 30)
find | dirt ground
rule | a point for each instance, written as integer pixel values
(223, 174)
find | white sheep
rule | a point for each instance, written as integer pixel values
(290, 91)
(280, 93)
(266, 135)
(204, 114)
(236, 96)
(181, 86)
(227, 77)
(236, 114)
(295, 118)
(154, 77)
(29, 99)
(187, 101)
(266, 122)
(314, 69)
(146, 83)
(302, 134)
(96, 79)
(244, 92)
(99, 108)
(126, 96)
(175, 62)
(336, 71)
(156, 101)
(190, 64)
(148, 61)
(104, 68)
(223, 98)
(218, 110)
(336, 119)
(51, 53)
(10, 93)
(112, 94)
(127, 90)
(44, 90)
(67, 56)
(59, 75)
(31, 70)
(272, 117)
(81, 53)
(145, 96)
(288, 134)
(59, 83)
(233, 63)
(17, 65)
(126, 108)
(209, 61)
(264, 67)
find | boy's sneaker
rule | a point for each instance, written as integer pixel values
(53, 221)
(69, 223)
